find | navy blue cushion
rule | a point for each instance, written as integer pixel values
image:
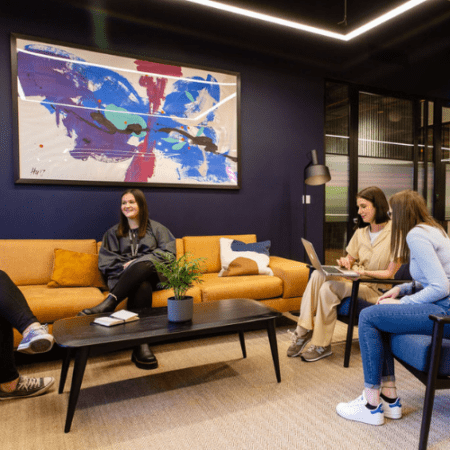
(415, 349)
(343, 308)
(258, 247)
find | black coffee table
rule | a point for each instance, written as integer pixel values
(83, 339)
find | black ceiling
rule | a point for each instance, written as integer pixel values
(403, 39)
(414, 40)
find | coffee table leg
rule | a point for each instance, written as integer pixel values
(64, 369)
(271, 331)
(242, 340)
(77, 377)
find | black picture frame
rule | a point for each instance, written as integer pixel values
(90, 117)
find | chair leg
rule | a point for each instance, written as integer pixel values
(426, 417)
(351, 322)
(348, 345)
(436, 345)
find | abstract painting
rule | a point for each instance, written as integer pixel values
(90, 117)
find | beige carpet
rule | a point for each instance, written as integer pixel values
(204, 395)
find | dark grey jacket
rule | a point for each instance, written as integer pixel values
(115, 252)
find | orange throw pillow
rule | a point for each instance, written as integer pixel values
(74, 269)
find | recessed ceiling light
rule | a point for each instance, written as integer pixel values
(303, 27)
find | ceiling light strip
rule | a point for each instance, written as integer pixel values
(384, 18)
(303, 27)
(267, 18)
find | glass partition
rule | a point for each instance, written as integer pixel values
(336, 158)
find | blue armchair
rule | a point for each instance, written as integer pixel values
(348, 310)
(428, 359)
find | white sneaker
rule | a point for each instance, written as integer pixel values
(392, 410)
(38, 340)
(358, 411)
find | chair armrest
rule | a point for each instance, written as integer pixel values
(294, 275)
(444, 319)
(383, 281)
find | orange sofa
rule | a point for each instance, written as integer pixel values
(34, 263)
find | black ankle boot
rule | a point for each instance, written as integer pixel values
(107, 305)
(144, 358)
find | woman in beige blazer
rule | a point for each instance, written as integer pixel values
(368, 253)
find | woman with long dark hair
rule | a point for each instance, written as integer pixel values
(419, 239)
(126, 260)
(368, 254)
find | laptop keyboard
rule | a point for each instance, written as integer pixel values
(331, 269)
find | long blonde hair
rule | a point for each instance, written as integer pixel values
(408, 210)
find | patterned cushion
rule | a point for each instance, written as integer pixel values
(238, 258)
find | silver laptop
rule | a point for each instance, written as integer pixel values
(329, 271)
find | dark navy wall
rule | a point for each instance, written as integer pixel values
(281, 122)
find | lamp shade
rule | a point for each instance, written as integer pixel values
(315, 173)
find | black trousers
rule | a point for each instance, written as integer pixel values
(137, 283)
(14, 312)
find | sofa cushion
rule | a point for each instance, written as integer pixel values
(293, 274)
(257, 288)
(30, 261)
(416, 349)
(49, 305)
(238, 258)
(208, 247)
(75, 269)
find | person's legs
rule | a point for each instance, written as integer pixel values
(13, 306)
(310, 298)
(375, 326)
(15, 310)
(330, 296)
(129, 284)
(132, 278)
(141, 297)
(8, 371)
(302, 334)
(137, 283)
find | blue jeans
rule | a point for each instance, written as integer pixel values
(377, 322)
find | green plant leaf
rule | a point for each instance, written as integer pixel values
(171, 140)
(180, 274)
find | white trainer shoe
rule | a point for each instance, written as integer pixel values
(358, 411)
(392, 410)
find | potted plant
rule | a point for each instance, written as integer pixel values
(180, 275)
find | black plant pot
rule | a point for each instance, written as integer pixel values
(180, 310)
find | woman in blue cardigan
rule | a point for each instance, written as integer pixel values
(418, 238)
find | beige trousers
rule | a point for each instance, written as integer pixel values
(318, 310)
